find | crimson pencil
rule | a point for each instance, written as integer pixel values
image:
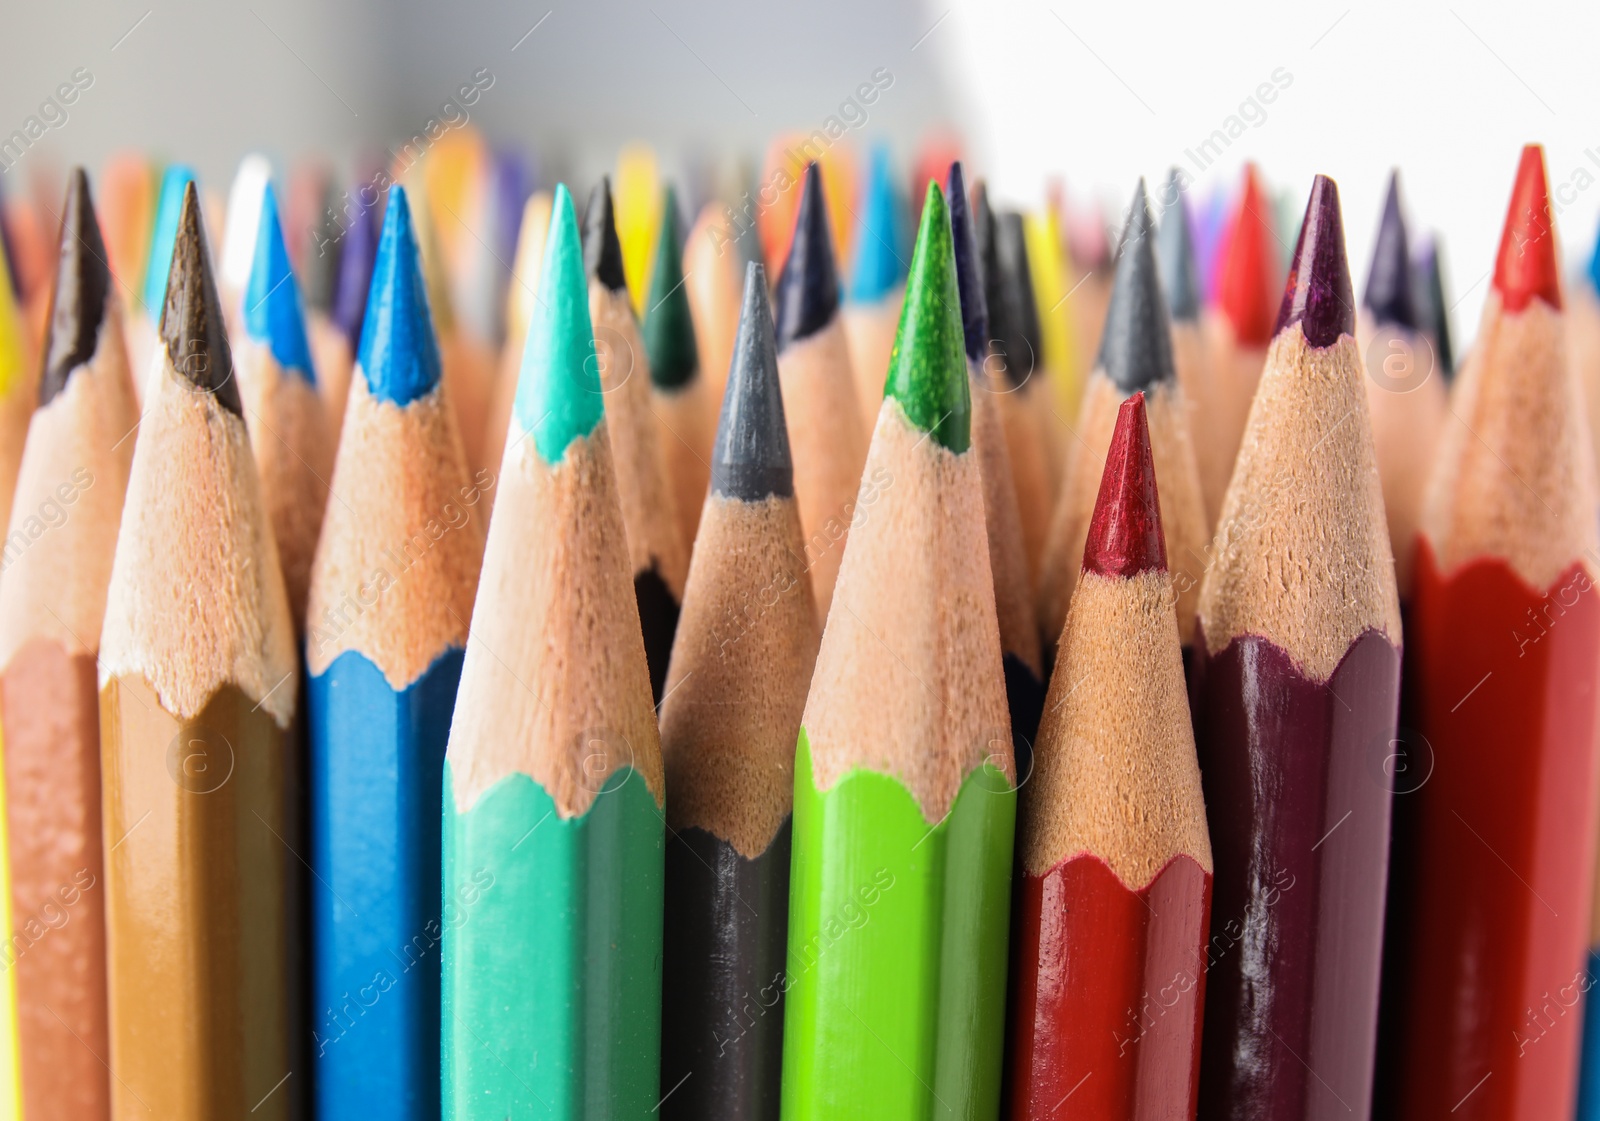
(1296, 691)
(1115, 884)
(1501, 676)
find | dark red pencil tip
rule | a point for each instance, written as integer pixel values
(1318, 295)
(1125, 536)
(1526, 265)
(1244, 271)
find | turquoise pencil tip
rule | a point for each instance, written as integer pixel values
(399, 353)
(169, 207)
(878, 268)
(272, 312)
(558, 390)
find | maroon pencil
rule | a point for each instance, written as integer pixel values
(1296, 693)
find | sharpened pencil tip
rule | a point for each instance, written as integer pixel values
(272, 312)
(1176, 243)
(602, 250)
(1432, 311)
(169, 206)
(1136, 345)
(192, 327)
(1125, 536)
(969, 273)
(1318, 295)
(1245, 291)
(928, 365)
(1527, 264)
(358, 251)
(399, 353)
(668, 328)
(808, 288)
(1390, 285)
(751, 459)
(878, 267)
(83, 281)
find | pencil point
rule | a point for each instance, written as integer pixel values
(1389, 281)
(1125, 536)
(878, 254)
(969, 274)
(668, 329)
(169, 206)
(1176, 244)
(602, 251)
(1136, 345)
(272, 312)
(192, 327)
(1318, 295)
(751, 459)
(558, 389)
(1594, 265)
(1526, 265)
(1007, 289)
(358, 250)
(83, 280)
(1244, 272)
(399, 354)
(1432, 312)
(808, 288)
(928, 366)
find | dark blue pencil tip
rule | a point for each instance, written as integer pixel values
(808, 288)
(602, 251)
(751, 459)
(878, 270)
(969, 274)
(272, 312)
(1389, 282)
(399, 354)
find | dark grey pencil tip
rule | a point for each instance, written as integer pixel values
(751, 460)
(1136, 345)
(1180, 278)
(602, 252)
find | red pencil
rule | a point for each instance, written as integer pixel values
(1501, 670)
(1115, 889)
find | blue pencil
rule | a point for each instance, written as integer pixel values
(877, 282)
(391, 598)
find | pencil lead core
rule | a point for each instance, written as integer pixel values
(808, 288)
(1318, 295)
(192, 327)
(1136, 345)
(602, 251)
(928, 365)
(751, 459)
(668, 328)
(1390, 285)
(1125, 536)
(1526, 265)
(399, 353)
(83, 280)
(969, 274)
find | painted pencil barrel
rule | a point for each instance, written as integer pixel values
(1300, 833)
(896, 972)
(199, 884)
(10, 1074)
(722, 991)
(552, 975)
(377, 760)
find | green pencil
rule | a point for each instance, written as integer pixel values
(553, 823)
(905, 794)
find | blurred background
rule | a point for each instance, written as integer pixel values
(1083, 96)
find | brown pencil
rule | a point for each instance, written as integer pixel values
(198, 684)
(57, 564)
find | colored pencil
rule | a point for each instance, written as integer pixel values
(740, 668)
(1013, 594)
(877, 282)
(827, 433)
(287, 417)
(1247, 291)
(128, 186)
(1135, 357)
(319, 251)
(336, 337)
(1296, 693)
(521, 296)
(553, 784)
(1501, 671)
(57, 564)
(1048, 264)
(391, 600)
(1407, 393)
(638, 215)
(1010, 369)
(143, 344)
(241, 224)
(712, 271)
(19, 382)
(1114, 891)
(657, 554)
(1434, 311)
(198, 684)
(904, 779)
(678, 392)
(1180, 278)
